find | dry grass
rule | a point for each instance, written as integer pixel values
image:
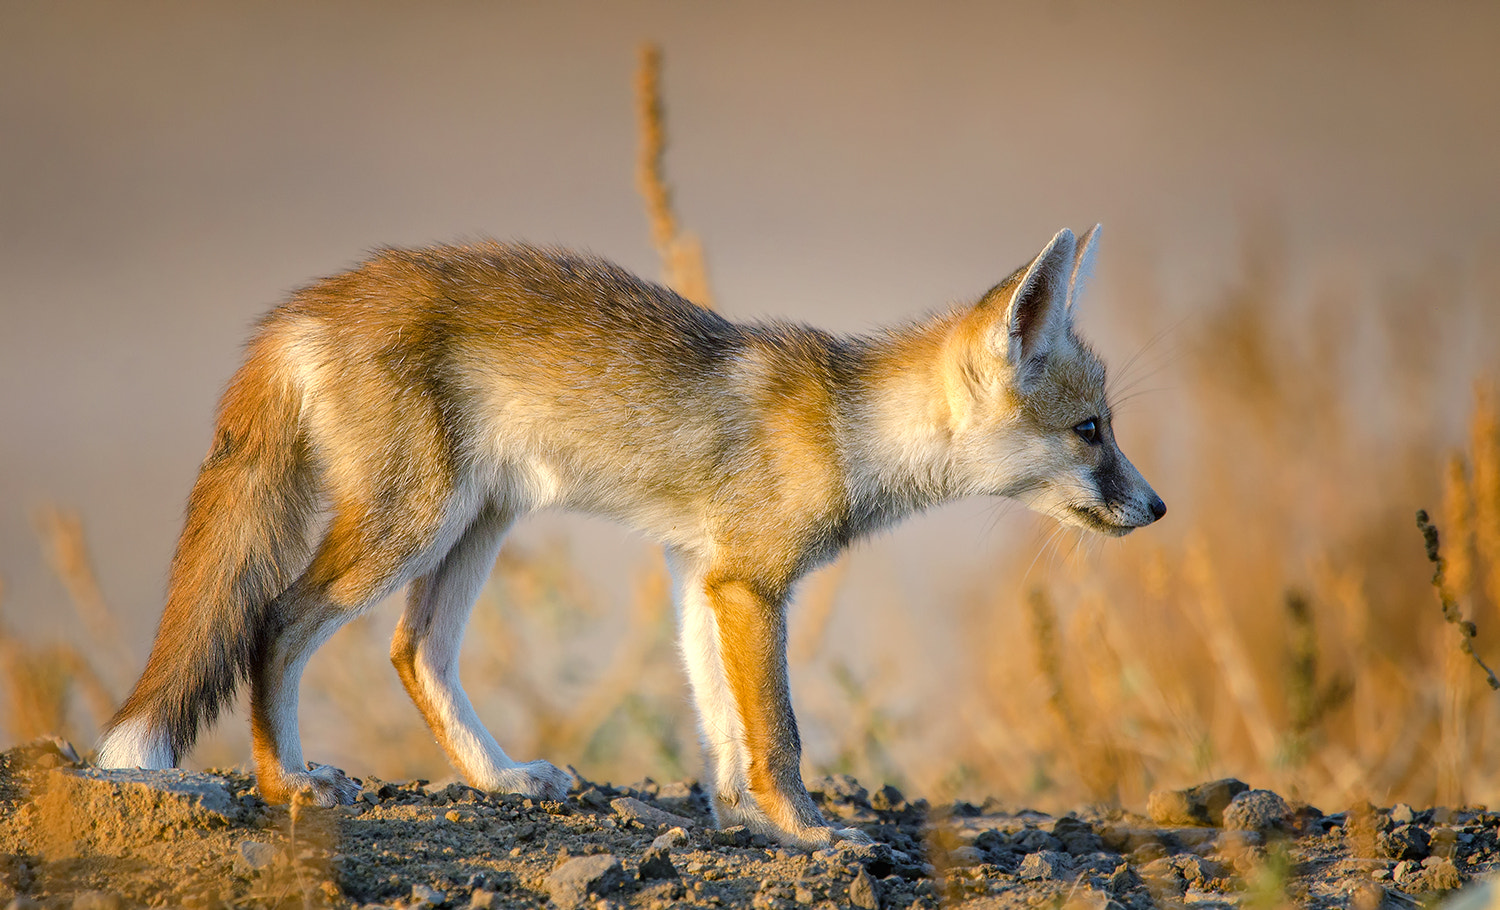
(1278, 626)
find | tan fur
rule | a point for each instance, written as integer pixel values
(430, 398)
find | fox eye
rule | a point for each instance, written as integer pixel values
(1089, 430)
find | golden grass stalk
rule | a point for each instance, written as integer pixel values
(683, 266)
(61, 533)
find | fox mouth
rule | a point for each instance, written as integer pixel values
(1091, 518)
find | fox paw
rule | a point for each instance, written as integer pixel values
(852, 836)
(537, 779)
(823, 837)
(321, 785)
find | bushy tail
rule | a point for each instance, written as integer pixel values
(244, 540)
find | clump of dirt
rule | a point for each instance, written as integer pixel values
(77, 838)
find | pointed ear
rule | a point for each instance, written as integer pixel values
(1083, 265)
(1036, 313)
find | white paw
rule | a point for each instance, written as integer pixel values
(852, 835)
(323, 786)
(537, 779)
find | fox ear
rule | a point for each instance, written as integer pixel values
(1036, 311)
(1083, 265)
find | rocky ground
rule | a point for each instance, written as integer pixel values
(76, 838)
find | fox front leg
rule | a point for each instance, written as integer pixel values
(734, 637)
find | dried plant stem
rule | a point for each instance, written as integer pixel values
(61, 534)
(683, 267)
(1451, 611)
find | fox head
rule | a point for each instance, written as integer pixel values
(1030, 417)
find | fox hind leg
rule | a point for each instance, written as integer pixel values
(359, 561)
(425, 651)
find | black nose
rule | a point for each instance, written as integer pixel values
(1158, 508)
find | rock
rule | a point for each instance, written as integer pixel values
(1199, 871)
(172, 794)
(1440, 874)
(1123, 880)
(96, 900)
(1200, 805)
(649, 816)
(253, 856)
(1172, 807)
(426, 895)
(1163, 879)
(864, 891)
(483, 899)
(1260, 811)
(1402, 814)
(1034, 840)
(656, 864)
(1077, 837)
(734, 836)
(963, 857)
(842, 787)
(575, 881)
(1406, 842)
(675, 837)
(1215, 796)
(887, 799)
(1045, 865)
(1369, 896)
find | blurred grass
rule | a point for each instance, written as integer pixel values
(1278, 626)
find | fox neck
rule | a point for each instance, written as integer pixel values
(897, 426)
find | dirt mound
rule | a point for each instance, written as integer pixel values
(84, 839)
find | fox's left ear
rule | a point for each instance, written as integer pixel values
(1083, 265)
(1035, 311)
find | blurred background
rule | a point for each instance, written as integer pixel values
(1297, 295)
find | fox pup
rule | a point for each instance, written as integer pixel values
(430, 398)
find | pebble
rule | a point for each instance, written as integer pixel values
(1200, 805)
(254, 856)
(1163, 878)
(674, 837)
(575, 881)
(1045, 865)
(864, 891)
(1406, 842)
(656, 863)
(651, 817)
(1441, 874)
(960, 857)
(428, 895)
(1260, 811)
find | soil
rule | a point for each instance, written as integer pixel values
(77, 838)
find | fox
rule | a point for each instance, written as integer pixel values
(424, 401)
